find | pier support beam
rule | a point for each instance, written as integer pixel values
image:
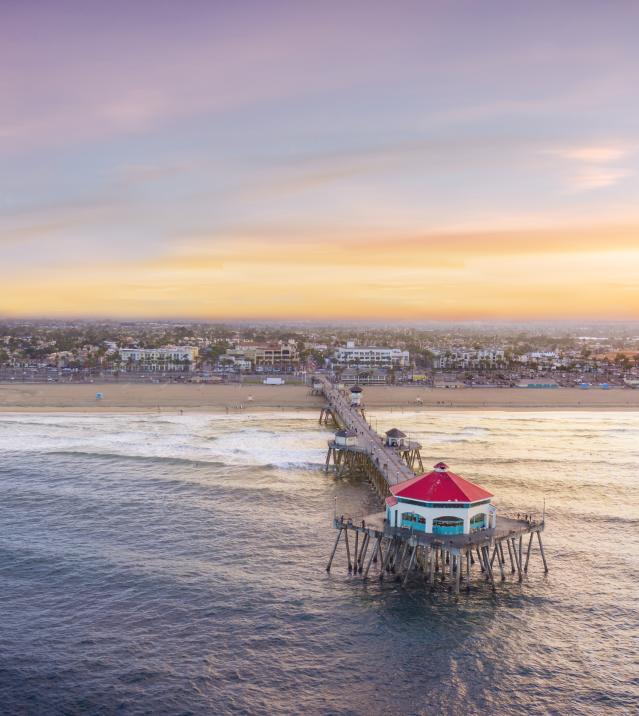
(528, 552)
(510, 554)
(481, 561)
(517, 562)
(489, 571)
(362, 554)
(541, 548)
(457, 572)
(521, 561)
(348, 551)
(432, 555)
(330, 561)
(373, 557)
(411, 563)
(500, 560)
(356, 560)
(384, 565)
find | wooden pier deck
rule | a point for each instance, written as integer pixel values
(384, 460)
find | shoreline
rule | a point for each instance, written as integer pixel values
(154, 398)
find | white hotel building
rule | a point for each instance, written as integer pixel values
(169, 358)
(350, 354)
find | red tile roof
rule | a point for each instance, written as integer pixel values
(391, 501)
(440, 485)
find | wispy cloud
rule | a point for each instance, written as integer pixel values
(595, 166)
(598, 177)
(596, 154)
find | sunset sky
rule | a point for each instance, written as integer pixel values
(374, 160)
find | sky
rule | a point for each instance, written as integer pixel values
(319, 160)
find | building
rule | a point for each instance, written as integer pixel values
(395, 438)
(350, 354)
(465, 359)
(542, 357)
(440, 502)
(447, 381)
(345, 438)
(363, 377)
(169, 358)
(274, 355)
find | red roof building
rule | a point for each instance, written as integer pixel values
(440, 485)
(440, 502)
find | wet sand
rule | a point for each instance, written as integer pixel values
(221, 398)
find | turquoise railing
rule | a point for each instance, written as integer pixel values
(416, 526)
(448, 529)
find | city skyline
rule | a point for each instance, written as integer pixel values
(340, 161)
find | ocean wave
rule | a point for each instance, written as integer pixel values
(458, 440)
(138, 458)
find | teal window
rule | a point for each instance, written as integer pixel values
(448, 526)
(478, 522)
(412, 521)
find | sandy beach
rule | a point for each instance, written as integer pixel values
(222, 398)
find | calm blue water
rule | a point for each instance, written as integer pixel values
(175, 565)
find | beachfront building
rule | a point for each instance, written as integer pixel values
(440, 502)
(350, 354)
(466, 359)
(538, 384)
(446, 380)
(369, 376)
(278, 355)
(168, 358)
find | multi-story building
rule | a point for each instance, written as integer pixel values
(539, 357)
(350, 354)
(169, 358)
(275, 355)
(463, 359)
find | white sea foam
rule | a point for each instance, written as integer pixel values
(240, 440)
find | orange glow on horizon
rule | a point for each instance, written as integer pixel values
(500, 275)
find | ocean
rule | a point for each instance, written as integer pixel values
(175, 564)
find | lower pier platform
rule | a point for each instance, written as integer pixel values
(406, 555)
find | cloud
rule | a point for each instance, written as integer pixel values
(596, 154)
(595, 166)
(20, 234)
(305, 251)
(597, 177)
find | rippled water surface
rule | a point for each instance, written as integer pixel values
(166, 564)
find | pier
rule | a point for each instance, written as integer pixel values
(397, 545)
(383, 465)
